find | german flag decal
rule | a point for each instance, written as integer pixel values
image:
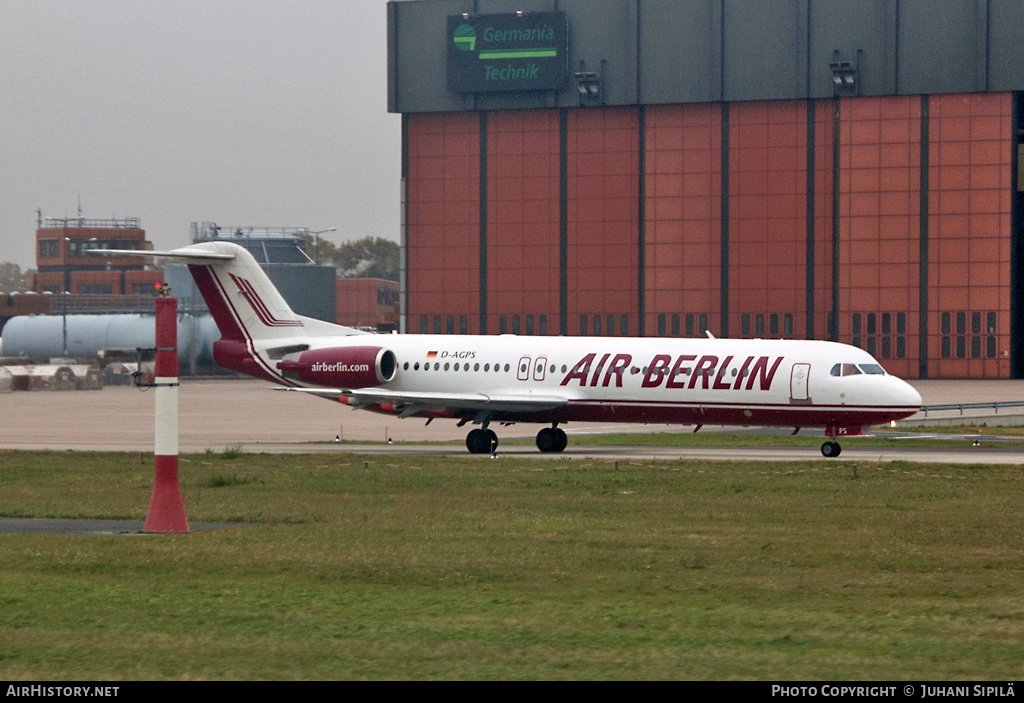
(431, 354)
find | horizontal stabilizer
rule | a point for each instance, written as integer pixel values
(186, 253)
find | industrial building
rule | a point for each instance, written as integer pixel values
(15, 304)
(63, 263)
(126, 284)
(368, 303)
(311, 289)
(44, 325)
(748, 168)
(281, 252)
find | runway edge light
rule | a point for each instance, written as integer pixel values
(166, 511)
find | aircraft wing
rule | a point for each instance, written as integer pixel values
(411, 403)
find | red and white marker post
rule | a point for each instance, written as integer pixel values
(166, 508)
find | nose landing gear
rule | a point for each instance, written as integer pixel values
(831, 449)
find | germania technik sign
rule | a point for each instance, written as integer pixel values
(511, 51)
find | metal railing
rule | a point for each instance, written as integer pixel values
(96, 304)
(210, 230)
(84, 223)
(972, 406)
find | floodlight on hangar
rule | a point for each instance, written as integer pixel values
(844, 75)
(589, 84)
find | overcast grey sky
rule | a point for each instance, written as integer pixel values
(254, 112)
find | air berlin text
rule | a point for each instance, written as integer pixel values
(686, 372)
(321, 367)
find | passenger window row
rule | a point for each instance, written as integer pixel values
(458, 366)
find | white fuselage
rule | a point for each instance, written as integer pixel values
(698, 381)
(546, 379)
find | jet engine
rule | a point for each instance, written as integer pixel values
(341, 367)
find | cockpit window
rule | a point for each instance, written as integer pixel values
(856, 369)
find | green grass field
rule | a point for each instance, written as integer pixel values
(1008, 437)
(385, 567)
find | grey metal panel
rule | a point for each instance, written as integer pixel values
(510, 101)
(980, 45)
(392, 58)
(661, 51)
(309, 290)
(184, 288)
(680, 51)
(605, 30)
(765, 45)
(938, 50)
(421, 57)
(493, 7)
(527, 100)
(1006, 37)
(863, 31)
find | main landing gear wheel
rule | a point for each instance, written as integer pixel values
(831, 449)
(481, 441)
(552, 439)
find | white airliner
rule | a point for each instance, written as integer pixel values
(505, 379)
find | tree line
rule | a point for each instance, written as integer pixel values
(13, 279)
(369, 257)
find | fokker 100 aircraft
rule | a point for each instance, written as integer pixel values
(505, 379)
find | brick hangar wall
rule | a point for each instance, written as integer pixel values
(796, 219)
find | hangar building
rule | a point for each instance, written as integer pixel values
(752, 168)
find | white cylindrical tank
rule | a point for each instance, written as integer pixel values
(208, 334)
(42, 336)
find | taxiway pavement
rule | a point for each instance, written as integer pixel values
(216, 413)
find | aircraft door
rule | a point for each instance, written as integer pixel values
(798, 389)
(523, 372)
(539, 368)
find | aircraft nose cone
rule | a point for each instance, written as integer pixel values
(909, 395)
